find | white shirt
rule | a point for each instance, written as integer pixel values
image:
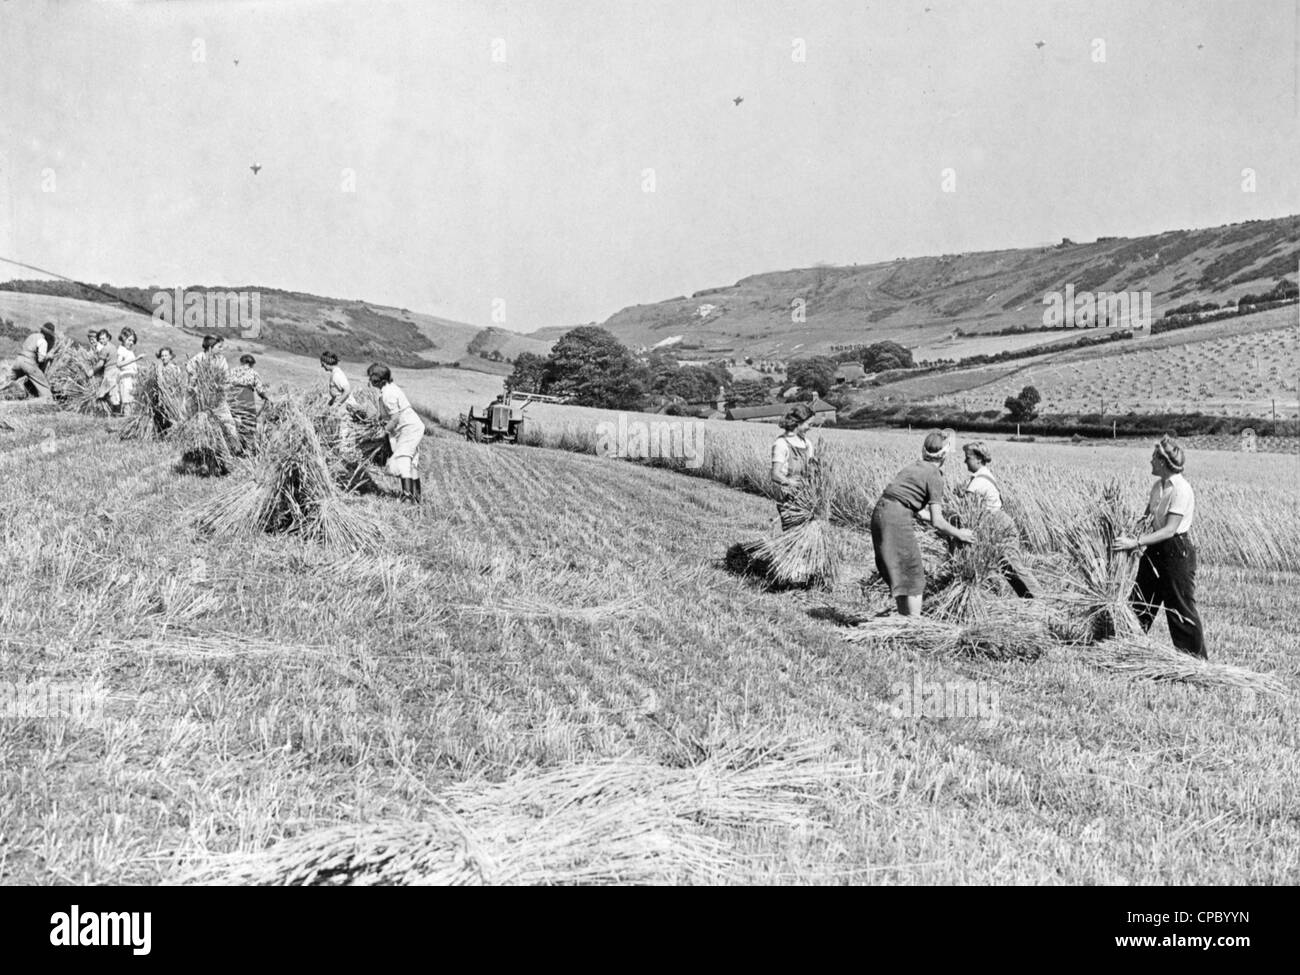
(982, 486)
(396, 406)
(781, 451)
(127, 361)
(1176, 499)
(339, 387)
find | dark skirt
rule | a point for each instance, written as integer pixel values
(898, 554)
(243, 407)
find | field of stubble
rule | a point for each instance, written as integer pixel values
(546, 608)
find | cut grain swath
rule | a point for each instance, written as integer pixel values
(619, 822)
(1146, 659)
(1003, 636)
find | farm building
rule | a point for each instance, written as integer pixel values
(850, 372)
(774, 411)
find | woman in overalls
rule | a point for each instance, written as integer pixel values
(791, 456)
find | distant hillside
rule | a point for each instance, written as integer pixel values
(309, 324)
(939, 305)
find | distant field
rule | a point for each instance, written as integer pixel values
(968, 345)
(1236, 367)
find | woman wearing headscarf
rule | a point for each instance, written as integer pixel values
(128, 365)
(916, 488)
(1167, 571)
(792, 455)
(405, 431)
(247, 389)
(984, 487)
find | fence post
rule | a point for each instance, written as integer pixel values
(1112, 429)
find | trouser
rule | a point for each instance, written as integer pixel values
(24, 369)
(1167, 577)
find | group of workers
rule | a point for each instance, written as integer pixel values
(239, 392)
(1166, 573)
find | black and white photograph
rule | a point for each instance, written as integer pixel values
(651, 443)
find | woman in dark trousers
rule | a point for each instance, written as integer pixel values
(916, 488)
(1167, 573)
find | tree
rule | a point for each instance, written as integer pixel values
(748, 392)
(530, 370)
(593, 368)
(880, 356)
(1024, 407)
(692, 384)
(815, 372)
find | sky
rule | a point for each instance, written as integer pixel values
(547, 163)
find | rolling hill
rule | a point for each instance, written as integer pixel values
(310, 324)
(949, 306)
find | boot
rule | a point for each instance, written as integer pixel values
(406, 489)
(416, 494)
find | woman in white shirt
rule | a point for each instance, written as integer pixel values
(984, 486)
(1167, 573)
(339, 389)
(792, 454)
(405, 431)
(128, 364)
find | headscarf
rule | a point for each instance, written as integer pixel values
(935, 446)
(1171, 453)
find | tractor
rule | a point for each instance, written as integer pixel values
(502, 420)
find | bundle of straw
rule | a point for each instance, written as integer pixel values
(287, 487)
(623, 822)
(972, 577)
(1098, 582)
(1144, 658)
(72, 379)
(805, 553)
(205, 433)
(802, 556)
(159, 402)
(355, 438)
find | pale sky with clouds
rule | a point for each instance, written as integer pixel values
(522, 179)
